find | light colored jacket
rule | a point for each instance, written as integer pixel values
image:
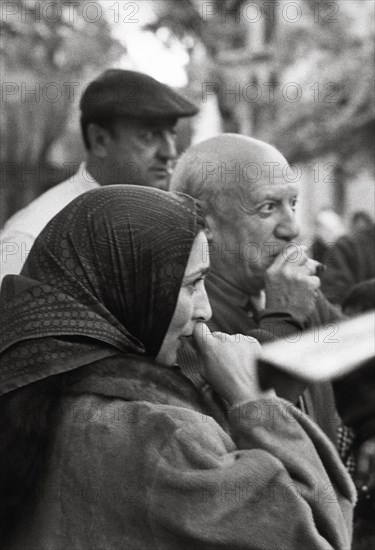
(137, 465)
(21, 230)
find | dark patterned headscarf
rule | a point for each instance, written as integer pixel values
(103, 276)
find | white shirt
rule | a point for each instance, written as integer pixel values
(21, 230)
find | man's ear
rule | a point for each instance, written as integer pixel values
(99, 139)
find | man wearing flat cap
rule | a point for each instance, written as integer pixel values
(128, 122)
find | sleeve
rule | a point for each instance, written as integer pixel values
(325, 312)
(277, 483)
(14, 249)
(276, 325)
(282, 325)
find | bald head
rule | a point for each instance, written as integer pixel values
(225, 166)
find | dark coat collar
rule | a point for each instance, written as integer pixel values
(133, 378)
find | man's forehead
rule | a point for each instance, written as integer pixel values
(278, 188)
(241, 168)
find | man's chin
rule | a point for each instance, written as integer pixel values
(159, 178)
(159, 183)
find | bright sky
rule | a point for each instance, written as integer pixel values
(146, 52)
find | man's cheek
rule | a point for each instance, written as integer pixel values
(252, 253)
(131, 171)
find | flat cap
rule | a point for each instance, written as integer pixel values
(133, 94)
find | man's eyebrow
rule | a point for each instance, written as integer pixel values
(273, 194)
(197, 273)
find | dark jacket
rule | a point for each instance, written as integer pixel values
(355, 397)
(350, 261)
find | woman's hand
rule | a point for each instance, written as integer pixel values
(230, 364)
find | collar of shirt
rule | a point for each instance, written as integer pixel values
(236, 296)
(83, 179)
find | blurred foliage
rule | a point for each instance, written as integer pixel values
(46, 54)
(187, 21)
(329, 53)
(332, 59)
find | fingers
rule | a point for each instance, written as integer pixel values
(205, 339)
(314, 282)
(306, 267)
(252, 341)
(297, 257)
(295, 254)
(223, 346)
(294, 261)
(312, 266)
(200, 333)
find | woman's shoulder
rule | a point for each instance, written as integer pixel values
(123, 391)
(133, 378)
(95, 425)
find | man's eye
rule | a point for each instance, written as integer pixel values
(267, 208)
(294, 203)
(148, 135)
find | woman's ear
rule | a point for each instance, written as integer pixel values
(99, 139)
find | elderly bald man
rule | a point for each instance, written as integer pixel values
(261, 283)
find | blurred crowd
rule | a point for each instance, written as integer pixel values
(349, 282)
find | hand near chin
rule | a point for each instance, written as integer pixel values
(291, 284)
(229, 364)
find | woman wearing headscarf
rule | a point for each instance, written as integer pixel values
(105, 444)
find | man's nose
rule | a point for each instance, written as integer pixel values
(287, 229)
(167, 148)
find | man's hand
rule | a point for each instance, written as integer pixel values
(230, 364)
(365, 465)
(291, 284)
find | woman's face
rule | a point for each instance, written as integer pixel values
(192, 304)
